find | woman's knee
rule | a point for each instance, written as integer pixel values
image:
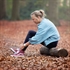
(31, 32)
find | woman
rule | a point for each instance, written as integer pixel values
(47, 34)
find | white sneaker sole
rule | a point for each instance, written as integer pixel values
(12, 50)
(17, 55)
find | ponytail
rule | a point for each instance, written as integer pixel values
(40, 13)
(43, 13)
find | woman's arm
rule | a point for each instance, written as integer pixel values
(24, 46)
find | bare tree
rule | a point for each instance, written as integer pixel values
(2, 9)
(53, 11)
(15, 10)
(69, 3)
(69, 10)
(65, 2)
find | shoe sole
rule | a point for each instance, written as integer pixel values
(16, 56)
(12, 50)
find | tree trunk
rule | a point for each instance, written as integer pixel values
(2, 9)
(69, 10)
(15, 10)
(65, 3)
(58, 52)
(53, 11)
(69, 3)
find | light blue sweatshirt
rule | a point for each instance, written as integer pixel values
(47, 33)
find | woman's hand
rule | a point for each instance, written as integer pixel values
(24, 46)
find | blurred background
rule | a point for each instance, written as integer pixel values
(56, 10)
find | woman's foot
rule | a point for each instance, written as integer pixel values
(14, 50)
(17, 53)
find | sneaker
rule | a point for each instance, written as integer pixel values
(17, 53)
(15, 50)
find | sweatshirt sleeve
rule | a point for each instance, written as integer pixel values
(40, 35)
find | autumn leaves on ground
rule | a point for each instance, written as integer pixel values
(13, 33)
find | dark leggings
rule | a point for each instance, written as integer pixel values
(31, 33)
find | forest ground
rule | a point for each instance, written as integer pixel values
(13, 33)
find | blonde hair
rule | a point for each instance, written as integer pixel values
(40, 13)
